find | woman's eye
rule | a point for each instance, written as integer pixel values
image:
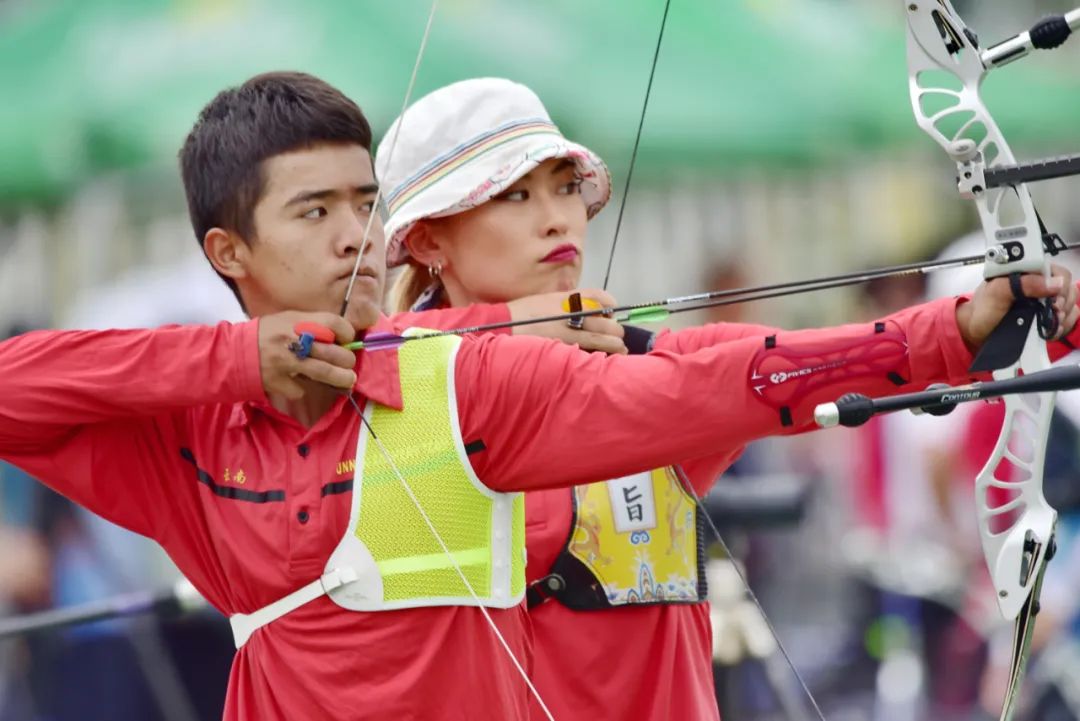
(315, 213)
(571, 188)
(515, 195)
(367, 207)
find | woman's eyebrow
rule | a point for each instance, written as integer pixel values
(561, 166)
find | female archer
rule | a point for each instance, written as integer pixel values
(615, 570)
(488, 203)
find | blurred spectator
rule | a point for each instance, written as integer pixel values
(56, 554)
(728, 274)
(24, 564)
(912, 541)
(24, 585)
(49, 559)
(24, 577)
(750, 675)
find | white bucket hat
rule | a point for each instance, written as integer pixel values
(461, 145)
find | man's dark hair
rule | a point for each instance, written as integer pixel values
(271, 114)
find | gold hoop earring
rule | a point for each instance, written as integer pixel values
(435, 270)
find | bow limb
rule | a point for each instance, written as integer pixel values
(1016, 523)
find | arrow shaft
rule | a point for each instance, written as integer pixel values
(643, 312)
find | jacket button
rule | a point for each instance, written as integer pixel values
(303, 516)
(303, 449)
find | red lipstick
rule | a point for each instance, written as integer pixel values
(565, 253)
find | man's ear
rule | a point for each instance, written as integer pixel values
(227, 252)
(424, 245)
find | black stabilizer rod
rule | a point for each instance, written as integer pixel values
(856, 409)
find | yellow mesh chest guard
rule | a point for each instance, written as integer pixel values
(634, 540)
(483, 529)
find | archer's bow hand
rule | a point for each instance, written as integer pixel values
(994, 298)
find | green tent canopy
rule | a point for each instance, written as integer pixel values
(95, 85)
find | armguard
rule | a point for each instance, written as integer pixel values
(784, 374)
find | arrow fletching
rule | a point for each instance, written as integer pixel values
(652, 314)
(377, 341)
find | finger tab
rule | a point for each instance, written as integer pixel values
(319, 333)
(574, 302)
(583, 303)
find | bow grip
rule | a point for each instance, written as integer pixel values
(1006, 343)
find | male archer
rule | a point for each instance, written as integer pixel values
(344, 603)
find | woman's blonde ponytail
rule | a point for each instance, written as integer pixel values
(409, 285)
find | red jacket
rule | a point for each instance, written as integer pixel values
(653, 663)
(168, 432)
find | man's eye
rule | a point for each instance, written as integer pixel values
(315, 213)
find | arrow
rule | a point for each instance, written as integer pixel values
(651, 312)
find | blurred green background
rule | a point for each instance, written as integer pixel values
(92, 86)
(778, 136)
(779, 145)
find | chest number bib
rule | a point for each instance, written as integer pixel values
(633, 540)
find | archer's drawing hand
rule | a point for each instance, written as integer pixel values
(283, 371)
(599, 333)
